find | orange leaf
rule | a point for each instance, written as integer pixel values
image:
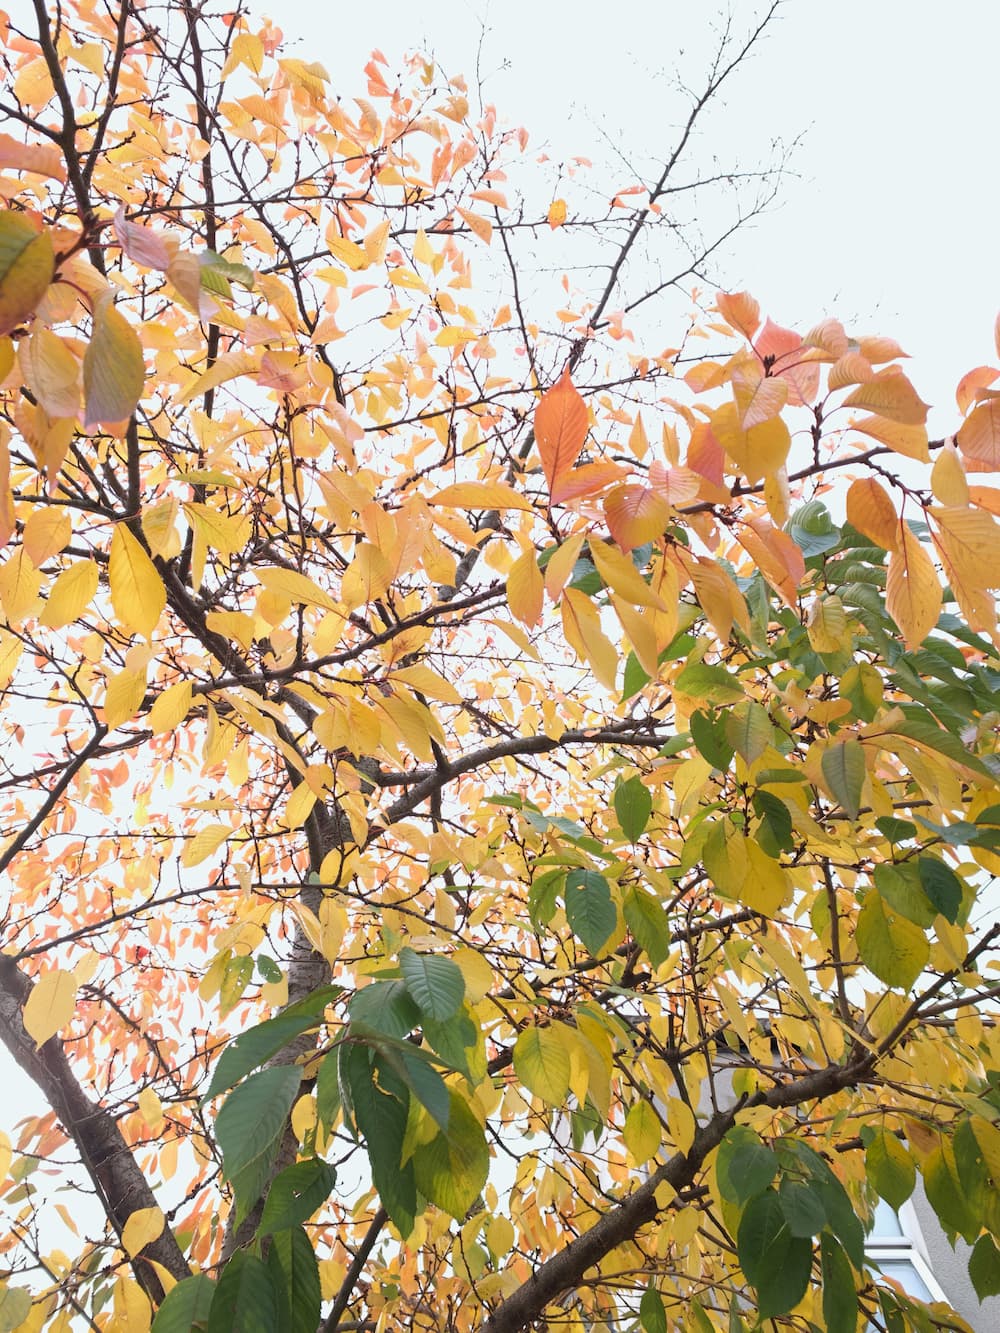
(635, 515)
(966, 392)
(557, 213)
(910, 441)
(872, 512)
(979, 435)
(561, 425)
(585, 480)
(776, 555)
(986, 497)
(43, 159)
(740, 311)
(891, 395)
(479, 226)
(758, 400)
(912, 593)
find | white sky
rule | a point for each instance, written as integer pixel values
(890, 219)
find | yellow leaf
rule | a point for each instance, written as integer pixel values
(635, 515)
(641, 630)
(51, 1005)
(51, 372)
(480, 495)
(170, 708)
(476, 971)
(137, 592)
(582, 627)
(948, 480)
(526, 588)
(366, 578)
(132, 1308)
(542, 1063)
(124, 697)
(46, 532)
(204, 843)
(912, 592)
(20, 583)
(143, 1226)
(228, 533)
(621, 575)
(295, 587)
(454, 336)
(71, 594)
(756, 452)
(560, 565)
(6, 1155)
(228, 367)
(11, 649)
(557, 213)
(151, 1109)
(421, 678)
(235, 625)
(159, 527)
(247, 49)
(642, 1132)
(299, 806)
(683, 1127)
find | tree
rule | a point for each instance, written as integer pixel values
(488, 847)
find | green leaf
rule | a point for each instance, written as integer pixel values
(255, 1047)
(890, 946)
(245, 1298)
(249, 1127)
(268, 969)
(744, 1166)
(15, 1306)
(714, 684)
(812, 529)
(295, 1273)
(843, 767)
(840, 1297)
(385, 1006)
(748, 730)
(652, 1312)
(415, 1069)
(944, 742)
(635, 677)
(113, 369)
(984, 1267)
(777, 1263)
(186, 1306)
(802, 1205)
(452, 1169)
(862, 685)
(896, 830)
(295, 1194)
(327, 1091)
(901, 889)
(589, 910)
(890, 1168)
(380, 1107)
(435, 983)
(709, 735)
(648, 923)
(947, 1196)
(942, 886)
(27, 264)
(633, 806)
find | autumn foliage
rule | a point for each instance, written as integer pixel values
(499, 804)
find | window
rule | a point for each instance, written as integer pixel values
(892, 1247)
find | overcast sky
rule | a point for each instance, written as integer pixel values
(890, 218)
